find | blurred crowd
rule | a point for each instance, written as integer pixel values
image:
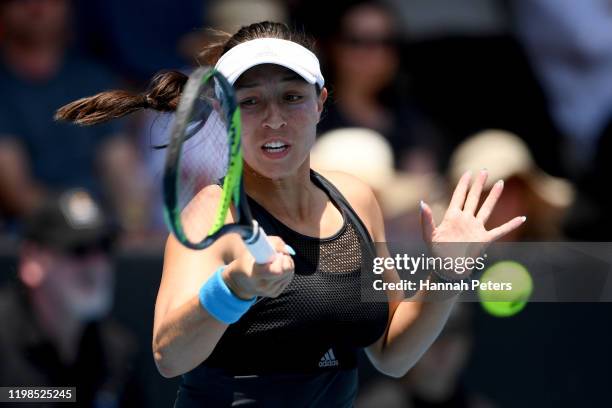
(425, 75)
(420, 91)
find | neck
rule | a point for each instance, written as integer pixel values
(291, 197)
(59, 325)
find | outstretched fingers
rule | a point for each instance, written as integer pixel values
(473, 198)
(487, 207)
(458, 197)
(504, 229)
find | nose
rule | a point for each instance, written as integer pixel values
(274, 118)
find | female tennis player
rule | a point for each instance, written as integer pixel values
(298, 345)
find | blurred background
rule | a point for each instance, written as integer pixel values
(420, 90)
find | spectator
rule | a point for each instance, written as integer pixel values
(55, 330)
(568, 43)
(39, 73)
(364, 64)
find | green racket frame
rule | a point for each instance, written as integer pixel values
(233, 190)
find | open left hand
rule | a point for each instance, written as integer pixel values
(463, 222)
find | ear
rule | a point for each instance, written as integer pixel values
(321, 101)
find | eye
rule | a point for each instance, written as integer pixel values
(293, 97)
(248, 102)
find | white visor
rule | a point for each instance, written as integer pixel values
(288, 54)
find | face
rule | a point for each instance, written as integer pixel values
(280, 112)
(83, 284)
(365, 53)
(34, 19)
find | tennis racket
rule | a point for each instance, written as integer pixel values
(203, 169)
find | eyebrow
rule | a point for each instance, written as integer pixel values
(288, 78)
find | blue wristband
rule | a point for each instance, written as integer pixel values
(220, 302)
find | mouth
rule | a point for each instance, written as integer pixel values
(275, 148)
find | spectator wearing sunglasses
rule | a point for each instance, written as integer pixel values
(55, 331)
(363, 60)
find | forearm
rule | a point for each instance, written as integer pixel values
(185, 338)
(188, 326)
(414, 327)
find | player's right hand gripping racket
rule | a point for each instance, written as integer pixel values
(203, 170)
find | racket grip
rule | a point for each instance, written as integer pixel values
(259, 246)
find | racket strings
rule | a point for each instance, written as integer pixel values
(204, 161)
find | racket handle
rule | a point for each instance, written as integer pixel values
(259, 246)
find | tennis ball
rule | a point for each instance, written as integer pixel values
(509, 301)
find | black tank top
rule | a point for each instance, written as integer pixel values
(307, 339)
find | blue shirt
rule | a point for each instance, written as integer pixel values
(61, 155)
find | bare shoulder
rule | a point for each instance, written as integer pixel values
(359, 195)
(356, 191)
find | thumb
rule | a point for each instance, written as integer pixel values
(427, 222)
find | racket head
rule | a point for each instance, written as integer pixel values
(203, 169)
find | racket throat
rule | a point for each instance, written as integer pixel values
(256, 234)
(258, 245)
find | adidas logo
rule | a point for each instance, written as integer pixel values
(328, 359)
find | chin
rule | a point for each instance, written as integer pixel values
(275, 173)
(278, 170)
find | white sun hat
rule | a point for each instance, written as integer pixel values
(285, 53)
(506, 155)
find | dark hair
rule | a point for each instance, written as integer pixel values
(165, 88)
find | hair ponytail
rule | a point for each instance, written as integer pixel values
(163, 95)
